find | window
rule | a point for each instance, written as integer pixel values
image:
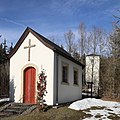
(75, 76)
(65, 73)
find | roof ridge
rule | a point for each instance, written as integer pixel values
(46, 42)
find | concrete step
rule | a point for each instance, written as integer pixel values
(2, 114)
(16, 109)
(13, 111)
(22, 104)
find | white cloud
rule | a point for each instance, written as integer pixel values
(70, 7)
(12, 21)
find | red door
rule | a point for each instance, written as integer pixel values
(29, 85)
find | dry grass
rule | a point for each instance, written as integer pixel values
(94, 108)
(111, 99)
(62, 113)
(98, 116)
(114, 116)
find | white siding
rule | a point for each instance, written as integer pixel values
(69, 92)
(41, 56)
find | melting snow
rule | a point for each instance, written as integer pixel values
(109, 108)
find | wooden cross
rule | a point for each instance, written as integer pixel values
(29, 47)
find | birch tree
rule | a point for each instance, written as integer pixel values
(91, 42)
(69, 40)
(82, 39)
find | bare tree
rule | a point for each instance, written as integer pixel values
(99, 40)
(70, 41)
(82, 38)
(117, 21)
(54, 39)
(93, 43)
(110, 64)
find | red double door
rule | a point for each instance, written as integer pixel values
(29, 85)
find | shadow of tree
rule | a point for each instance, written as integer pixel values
(12, 90)
(4, 79)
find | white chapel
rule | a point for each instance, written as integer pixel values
(34, 52)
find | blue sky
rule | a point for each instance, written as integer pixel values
(54, 17)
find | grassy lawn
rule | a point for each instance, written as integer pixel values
(62, 113)
(112, 116)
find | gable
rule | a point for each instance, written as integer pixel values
(46, 42)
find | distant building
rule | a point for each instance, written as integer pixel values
(92, 72)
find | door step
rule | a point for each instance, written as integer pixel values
(16, 109)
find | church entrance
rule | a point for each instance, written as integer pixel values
(29, 85)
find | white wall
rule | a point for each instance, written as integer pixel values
(69, 92)
(41, 56)
(95, 69)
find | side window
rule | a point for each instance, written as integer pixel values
(65, 68)
(75, 75)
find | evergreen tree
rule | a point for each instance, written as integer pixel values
(115, 45)
(4, 51)
(1, 54)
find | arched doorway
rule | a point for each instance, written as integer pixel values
(29, 85)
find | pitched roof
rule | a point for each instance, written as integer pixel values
(46, 42)
(92, 55)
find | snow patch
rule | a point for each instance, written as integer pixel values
(4, 100)
(109, 108)
(90, 102)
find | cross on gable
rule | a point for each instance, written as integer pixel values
(29, 47)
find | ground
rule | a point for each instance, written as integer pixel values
(86, 109)
(62, 113)
(98, 109)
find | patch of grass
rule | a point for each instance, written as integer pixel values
(114, 116)
(62, 113)
(109, 109)
(111, 99)
(95, 108)
(98, 116)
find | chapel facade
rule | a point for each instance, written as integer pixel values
(33, 53)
